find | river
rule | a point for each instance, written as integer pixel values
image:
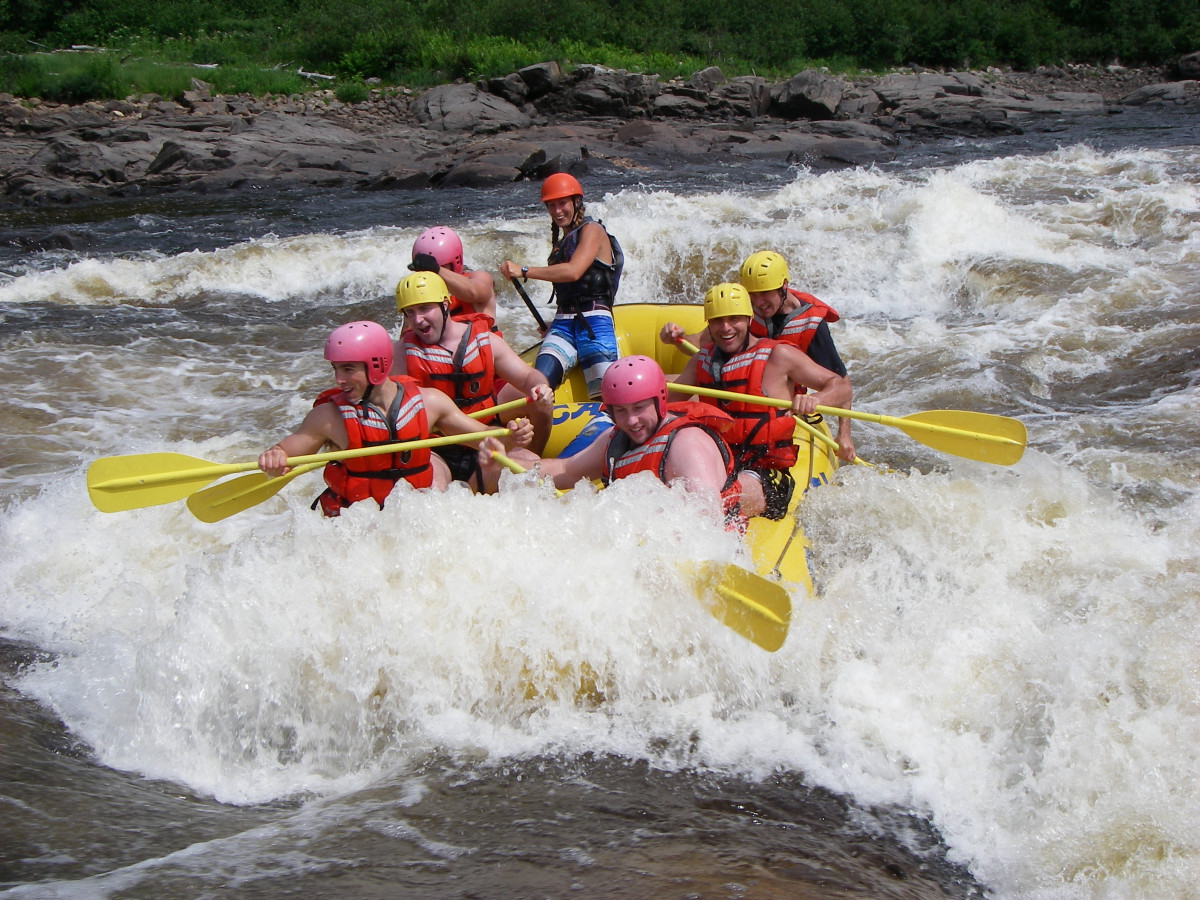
(995, 690)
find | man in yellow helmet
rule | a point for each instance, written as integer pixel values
(737, 360)
(790, 316)
(463, 358)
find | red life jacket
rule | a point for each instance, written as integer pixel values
(460, 309)
(761, 436)
(623, 458)
(351, 480)
(467, 375)
(800, 325)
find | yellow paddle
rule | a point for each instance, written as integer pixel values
(118, 483)
(757, 608)
(691, 350)
(972, 435)
(227, 498)
(828, 441)
(238, 494)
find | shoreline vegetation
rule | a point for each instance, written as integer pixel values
(112, 49)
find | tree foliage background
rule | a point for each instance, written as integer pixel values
(423, 41)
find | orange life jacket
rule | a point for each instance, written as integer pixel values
(623, 458)
(799, 326)
(761, 436)
(467, 375)
(460, 309)
(351, 480)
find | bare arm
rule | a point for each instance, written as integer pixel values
(790, 366)
(566, 473)
(473, 288)
(515, 370)
(674, 334)
(447, 418)
(696, 458)
(592, 245)
(323, 425)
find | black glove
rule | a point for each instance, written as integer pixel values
(424, 262)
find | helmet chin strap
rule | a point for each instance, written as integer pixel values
(445, 318)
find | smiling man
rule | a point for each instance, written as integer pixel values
(368, 408)
(739, 362)
(675, 442)
(463, 358)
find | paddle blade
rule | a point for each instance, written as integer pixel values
(999, 440)
(239, 494)
(117, 483)
(757, 608)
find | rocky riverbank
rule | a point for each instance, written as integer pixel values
(534, 122)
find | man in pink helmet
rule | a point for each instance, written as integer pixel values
(440, 250)
(367, 407)
(672, 441)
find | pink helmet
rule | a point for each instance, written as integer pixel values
(632, 379)
(443, 245)
(363, 342)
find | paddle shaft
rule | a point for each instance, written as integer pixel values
(533, 309)
(216, 470)
(891, 421)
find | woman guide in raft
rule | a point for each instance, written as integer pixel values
(675, 442)
(368, 408)
(585, 266)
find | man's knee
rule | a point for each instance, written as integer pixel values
(753, 500)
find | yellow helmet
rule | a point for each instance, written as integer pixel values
(421, 287)
(726, 300)
(765, 270)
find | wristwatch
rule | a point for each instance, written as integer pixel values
(524, 273)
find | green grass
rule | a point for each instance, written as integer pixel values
(258, 45)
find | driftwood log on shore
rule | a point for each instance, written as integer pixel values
(532, 123)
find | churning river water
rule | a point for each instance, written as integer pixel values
(995, 690)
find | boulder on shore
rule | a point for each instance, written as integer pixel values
(533, 122)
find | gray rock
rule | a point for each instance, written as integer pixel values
(1156, 93)
(511, 88)
(707, 79)
(1187, 67)
(809, 95)
(676, 105)
(748, 96)
(479, 174)
(465, 108)
(541, 78)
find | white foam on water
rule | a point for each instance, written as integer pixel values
(1009, 651)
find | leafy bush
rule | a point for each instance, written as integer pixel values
(352, 92)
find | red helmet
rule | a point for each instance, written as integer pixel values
(363, 342)
(443, 245)
(560, 185)
(632, 379)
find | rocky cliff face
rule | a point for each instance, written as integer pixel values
(534, 122)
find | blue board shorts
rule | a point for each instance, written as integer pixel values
(568, 342)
